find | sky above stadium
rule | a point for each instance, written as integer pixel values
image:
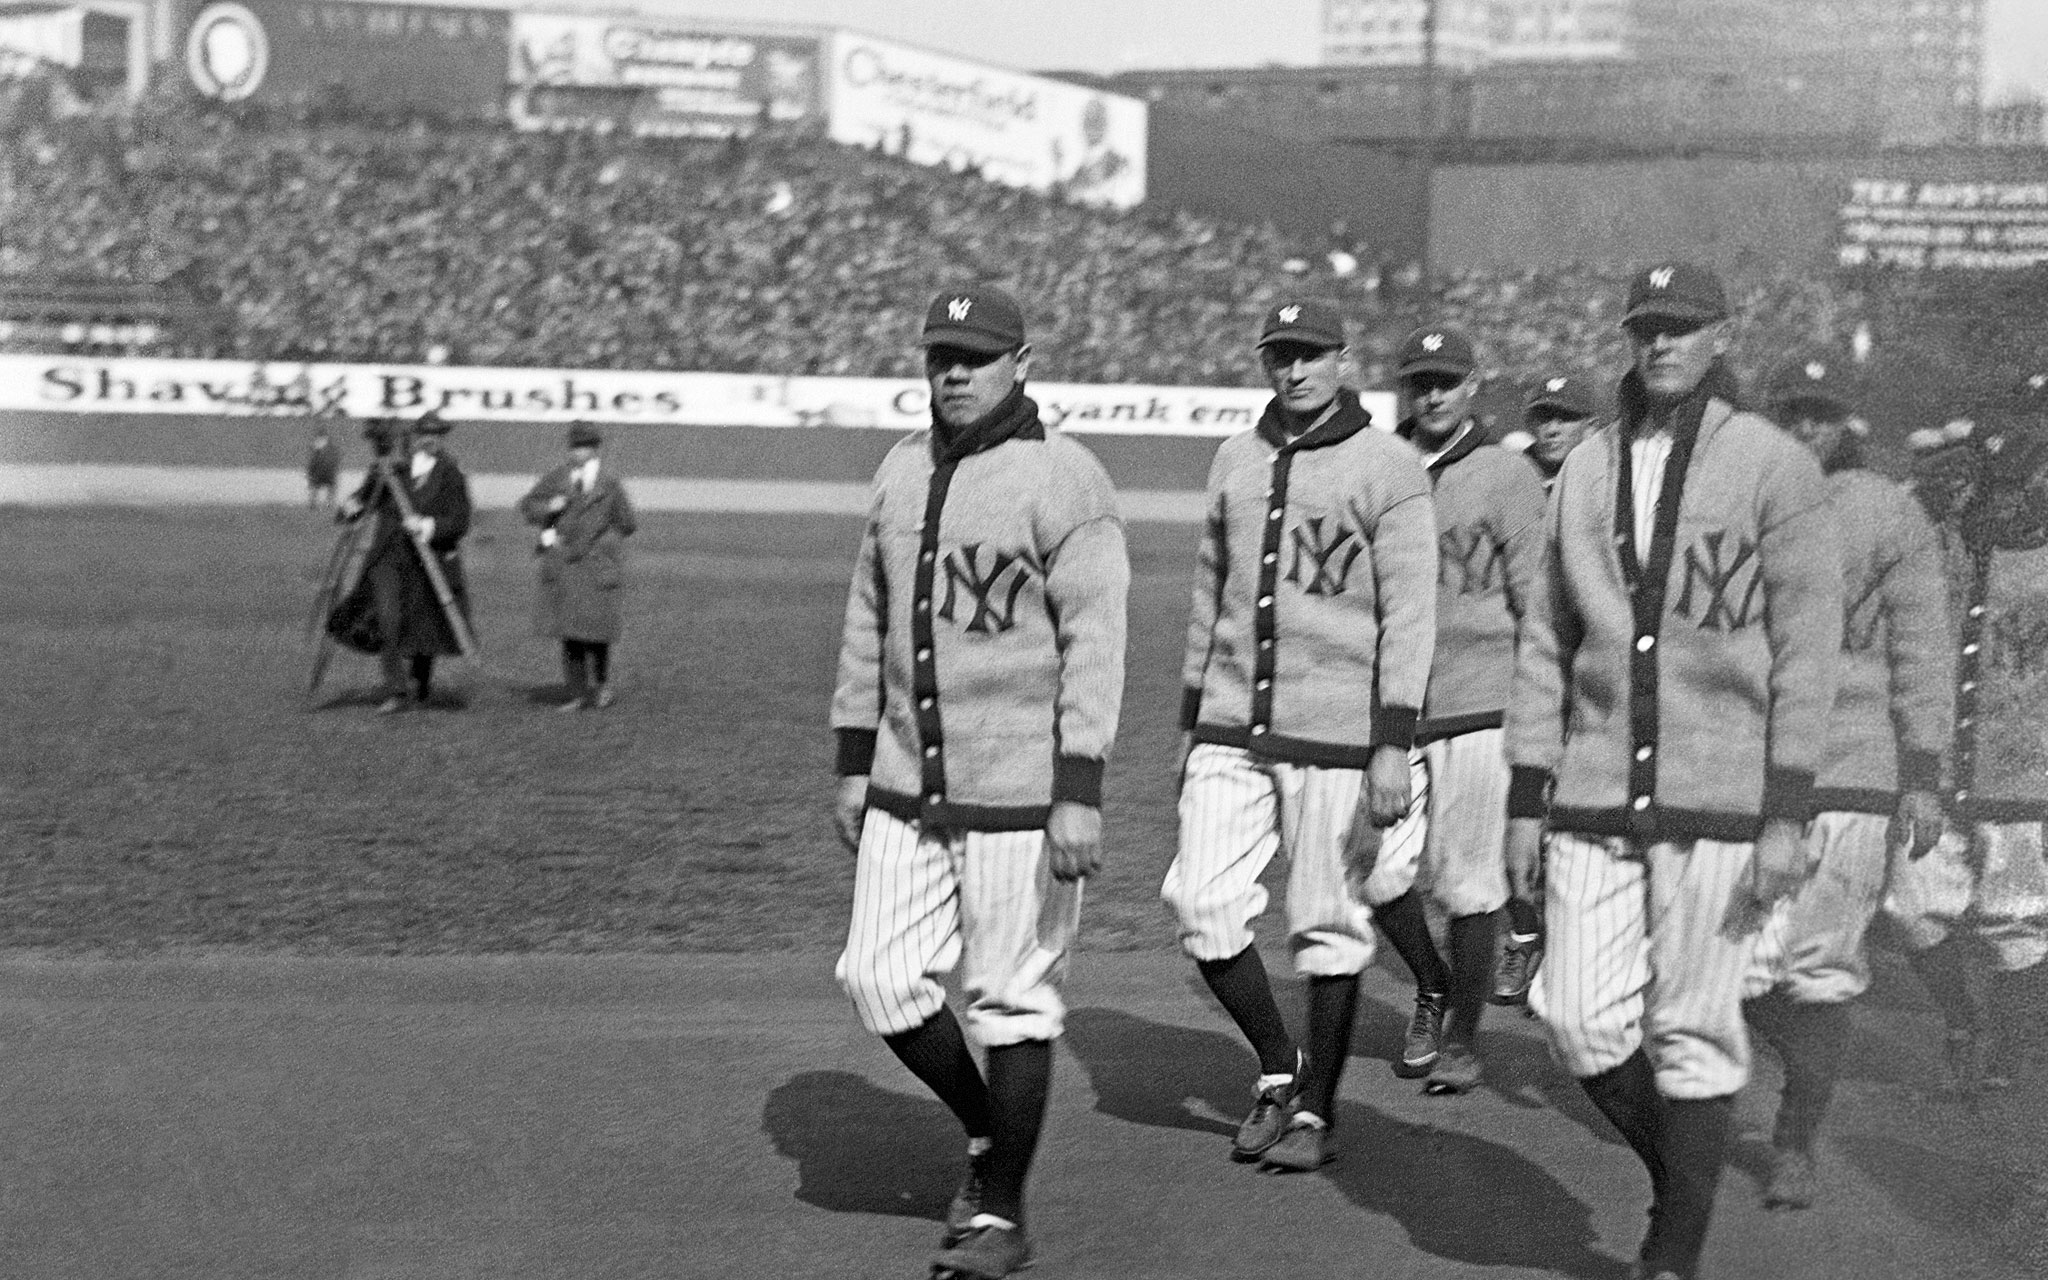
(1092, 35)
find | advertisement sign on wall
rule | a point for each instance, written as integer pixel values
(1017, 129)
(484, 395)
(1944, 226)
(350, 56)
(675, 81)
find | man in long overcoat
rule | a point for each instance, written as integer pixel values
(411, 627)
(584, 518)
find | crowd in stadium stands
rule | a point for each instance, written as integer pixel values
(783, 254)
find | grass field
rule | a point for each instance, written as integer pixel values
(165, 784)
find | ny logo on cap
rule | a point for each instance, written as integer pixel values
(1661, 278)
(1555, 384)
(2037, 382)
(958, 308)
(1288, 314)
(1815, 370)
(1432, 342)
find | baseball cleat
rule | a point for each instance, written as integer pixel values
(1268, 1118)
(1519, 961)
(987, 1252)
(1457, 1071)
(1425, 1037)
(1304, 1146)
(603, 698)
(960, 1214)
(1793, 1184)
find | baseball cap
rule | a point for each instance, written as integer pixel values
(1570, 394)
(977, 318)
(1676, 291)
(1435, 349)
(584, 435)
(431, 424)
(1308, 321)
(1816, 377)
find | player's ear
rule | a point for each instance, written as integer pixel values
(1023, 361)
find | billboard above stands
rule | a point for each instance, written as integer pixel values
(1017, 129)
(85, 384)
(679, 81)
(1943, 226)
(344, 55)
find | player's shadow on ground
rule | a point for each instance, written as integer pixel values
(860, 1149)
(1425, 1178)
(1966, 1197)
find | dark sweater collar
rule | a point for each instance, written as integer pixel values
(1468, 438)
(1345, 421)
(1016, 418)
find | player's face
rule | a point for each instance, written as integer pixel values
(1305, 378)
(581, 453)
(1555, 434)
(427, 443)
(1439, 402)
(1816, 424)
(967, 385)
(1672, 356)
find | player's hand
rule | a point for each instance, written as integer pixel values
(350, 508)
(1781, 863)
(850, 809)
(1916, 827)
(1386, 785)
(1361, 848)
(560, 502)
(1073, 840)
(1525, 858)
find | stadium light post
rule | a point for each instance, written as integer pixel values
(1427, 185)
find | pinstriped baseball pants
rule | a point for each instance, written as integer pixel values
(1452, 839)
(1649, 946)
(1812, 945)
(1236, 811)
(1983, 879)
(985, 901)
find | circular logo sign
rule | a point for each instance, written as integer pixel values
(226, 51)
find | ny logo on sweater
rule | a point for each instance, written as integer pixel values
(1713, 573)
(1468, 561)
(1322, 563)
(993, 591)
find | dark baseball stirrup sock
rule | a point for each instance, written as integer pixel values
(1627, 1095)
(1019, 1079)
(1695, 1140)
(1945, 969)
(572, 665)
(1408, 929)
(1471, 939)
(937, 1054)
(1815, 1039)
(423, 677)
(600, 660)
(1332, 1009)
(1240, 985)
(1523, 917)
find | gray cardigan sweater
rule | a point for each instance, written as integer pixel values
(1686, 696)
(1315, 593)
(981, 668)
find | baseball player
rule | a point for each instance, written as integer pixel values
(1448, 847)
(1307, 657)
(980, 678)
(1557, 413)
(1981, 897)
(1894, 710)
(1669, 713)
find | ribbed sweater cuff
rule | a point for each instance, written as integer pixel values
(1919, 770)
(1395, 727)
(856, 752)
(1528, 792)
(1190, 708)
(1788, 793)
(1077, 780)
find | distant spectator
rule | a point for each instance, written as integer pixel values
(323, 468)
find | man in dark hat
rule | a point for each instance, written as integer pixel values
(413, 627)
(1893, 715)
(1308, 651)
(1980, 899)
(980, 680)
(1673, 683)
(1557, 413)
(1447, 852)
(584, 518)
